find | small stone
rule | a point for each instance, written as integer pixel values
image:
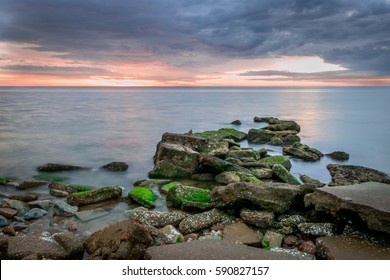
(308, 247)
(61, 208)
(8, 212)
(172, 234)
(34, 213)
(9, 231)
(275, 239)
(4, 221)
(116, 166)
(236, 122)
(290, 240)
(73, 226)
(338, 155)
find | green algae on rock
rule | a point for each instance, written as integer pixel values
(228, 177)
(279, 159)
(50, 178)
(143, 196)
(93, 196)
(284, 175)
(223, 133)
(303, 151)
(188, 197)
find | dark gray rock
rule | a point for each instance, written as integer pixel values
(56, 167)
(314, 182)
(236, 122)
(4, 221)
(116, 166)
(30, 184)
(24, 197)
(284, 175)
(34, 213)
(368, 203)
(302, 151)
(61, 208)
(352, 174)
(261, 219)
(338, 155)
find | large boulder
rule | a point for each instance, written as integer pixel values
(302, 151)
(174, 161)
(367, 203)
(272, 197)
(126, 240)
(352, 174)
(97, 195)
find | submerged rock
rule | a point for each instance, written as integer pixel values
(56, 167)
(302, 151)
(61, 189)
(116, 166)
(97, 195)
(236, 122)
(352, 174)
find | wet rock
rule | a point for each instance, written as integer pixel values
(8, 212)
(61, 208)
(273, 239)
(228, 177)
(284, 175)
(89, 215)
(9, 230)
(272, 137)
(270, 120)
(236, 122)
(56, 167)
(244, 154)
(308, 247)
(272, 160)
(172, 234)
(40, 225)
(50, 178)
(261, 219)
(43, 204)
(34, 213)
(174, 161)
(126, 240)
(5, 180)
(19, 206)
(143, 196)
(156, 218)
(314, 182)
(116, 166)
(203, 220)
(3, 247)
(241, 233)
(272, 197)
(351, 174)
(262, 173)
(4, 221)
(30, 184)
(151, 183)
(215, 165)
(24, 197)
(344, 247)
(97, 195)
(302, 151)
(367, 203)
(223, 133)
(182, 196)
(317, 229)
(216, 148)
(165, 188)
(58, 193)
(63, 189)
(338, 155)
(19, 226)
(284, 126)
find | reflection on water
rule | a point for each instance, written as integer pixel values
(93, 126)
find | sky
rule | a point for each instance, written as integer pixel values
(194, 43)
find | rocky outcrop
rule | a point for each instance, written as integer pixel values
(97, 195)
(302, 151)
(367, 203)
(125, 240)
(274, 197)
(352, 174)
(57, 167)
(116, 166)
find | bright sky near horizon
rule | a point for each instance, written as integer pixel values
(194, 43)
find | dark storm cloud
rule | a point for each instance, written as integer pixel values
(351, 33)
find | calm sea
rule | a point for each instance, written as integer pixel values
(94, 126)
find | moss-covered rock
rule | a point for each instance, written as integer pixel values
(180, 196)
(116, 166)
(50, 178)
(143, 196)
(62, 189)
(57, 167)
(272, 137)
(284, 175)
(284, 126)
(303, 151)
(223, 133)
(166, 169)
(270, 120)
(97, 195)
(278, 159)
(216, 147)
(228, 177)
(311, 181)
(215, 165)
(244, 154)
(5, 180)
(165, 189)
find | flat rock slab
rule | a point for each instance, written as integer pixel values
(213, 250)
(351, 248)
(371, 201)
(241, 233)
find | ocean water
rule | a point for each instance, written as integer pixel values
(93, 126)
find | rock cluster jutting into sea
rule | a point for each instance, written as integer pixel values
(225, 202)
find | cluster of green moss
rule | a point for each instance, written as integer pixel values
(223, 133)
(4, 180)
(144, 196)
(50, 178)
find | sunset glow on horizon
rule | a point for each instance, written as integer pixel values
(181, 43)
